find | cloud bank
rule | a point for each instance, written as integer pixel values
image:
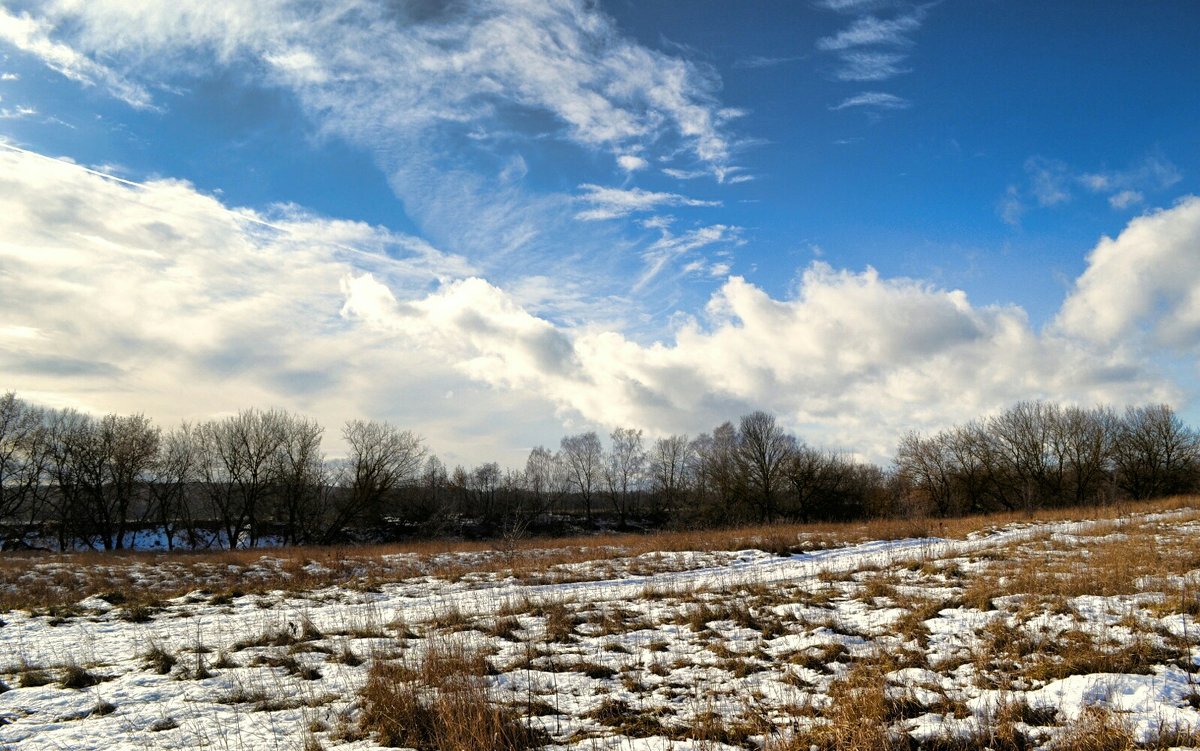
(156, 297)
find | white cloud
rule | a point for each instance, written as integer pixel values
(852, 6)
(1125, 199)
(365, 65)
(859, 64)
(1153, 173)
(1142, 285)
(852, 358)
(682, 174)
(157, 298)
(444, 96)
(160, 299)
(632, 163)
(31, 36)
(870, 66)
(613, 203)
(1052, 182)
(16, 113)
(1049, 180)
(1011, 208)
(869, 30)
(762, 61)
(669, 248)
(873, 99)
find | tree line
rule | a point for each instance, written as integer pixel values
(259, 476)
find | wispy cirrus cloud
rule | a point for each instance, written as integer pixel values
(872, 31)
(32, 36)
(616, 203)
(454, 64)
(872, 48)
(853, 6)
(446, 97)
(876, 99)
(1053, 182)
(870, 66)
(670, 249)
(763, 61)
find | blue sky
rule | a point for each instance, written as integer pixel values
(499, 223)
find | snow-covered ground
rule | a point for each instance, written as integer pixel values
(1035, 630)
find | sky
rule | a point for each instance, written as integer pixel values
(498, 223)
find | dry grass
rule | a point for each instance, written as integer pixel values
(41, 581)
(684, 677)
(441, 704)
(1096, 729)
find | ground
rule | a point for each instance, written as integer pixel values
(1074, 633)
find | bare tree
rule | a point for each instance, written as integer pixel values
(545, 480)
(431, 499)
(99, 468)
(670, 462)
(478, 490)
(583, 457)
(763, 450)
(623, 470)
(237, 462)
(817, 479)
(23, 455)
(70, 472)
(977, 465)
(299, 477)
(717, 471)
(1021, 436)
(1155, 453)
(928, 463)
(1085, 439)
(170, 478)
(131, 444)
(382, 458)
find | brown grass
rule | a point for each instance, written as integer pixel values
(39, 581)
(441, 704)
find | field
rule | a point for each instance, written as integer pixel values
(1058, 632)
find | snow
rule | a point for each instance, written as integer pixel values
(786, 655)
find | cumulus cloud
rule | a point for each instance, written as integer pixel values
(157, 298)
(613, 203)
(852, 359)
(161, 299)
(1143, 285)
(632, 163)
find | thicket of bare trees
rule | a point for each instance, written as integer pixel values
(258, 475)
(1038, 454)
